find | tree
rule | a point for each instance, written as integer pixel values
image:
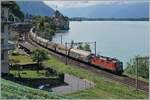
(143, 66)
(41, 24)
(48, 34)
(15, 9)
(80, 46)
(39, 55)
(44, 26)
(87, 47)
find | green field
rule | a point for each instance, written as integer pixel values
(104, 88)
(23, 59)
(11, 90)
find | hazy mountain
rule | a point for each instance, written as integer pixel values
(35, 8)
(128, 10)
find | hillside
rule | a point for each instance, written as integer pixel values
(35, 8)
(104, 88)
(129, 10)
(11, 90)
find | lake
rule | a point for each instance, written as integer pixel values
(120, 39)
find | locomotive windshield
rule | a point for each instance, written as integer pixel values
(120, 66)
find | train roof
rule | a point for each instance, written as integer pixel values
(51, 42)
(106, 58)
(42, 39)
(82, 52)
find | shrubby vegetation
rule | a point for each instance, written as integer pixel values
(143, 67)
(44, 27)
(15, 9)
(39, 56)
(85, 47)
(12, 90)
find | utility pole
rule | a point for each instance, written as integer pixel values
(136, 73)
(66, 52)
(95, 47)
(61, 39)
(137, 61)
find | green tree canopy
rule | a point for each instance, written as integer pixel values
(143, 66)
(49, 33)
(15, 9)
(44, 26)
(85, 47)
(39, 55)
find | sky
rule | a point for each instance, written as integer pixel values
(84, 3)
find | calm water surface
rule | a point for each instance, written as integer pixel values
(120, 39)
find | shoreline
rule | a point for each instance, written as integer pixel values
(109, 20)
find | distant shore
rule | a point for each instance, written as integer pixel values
(107, 19)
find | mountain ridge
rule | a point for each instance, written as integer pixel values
(132, 10)
(35, 8)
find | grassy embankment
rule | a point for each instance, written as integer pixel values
(12, 90)
(134, 76)
(104, 88)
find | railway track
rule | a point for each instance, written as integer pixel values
(144, 86)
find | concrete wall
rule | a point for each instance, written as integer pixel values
(4, 50)
(4, 62)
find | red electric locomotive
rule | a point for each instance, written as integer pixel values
(111, 64)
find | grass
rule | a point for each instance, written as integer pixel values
(134, 76)
(31, 74)
(12, 90)
(23, 59)
(104, 88)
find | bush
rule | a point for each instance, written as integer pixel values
(61, 77)
(15, 53)
(143, 67)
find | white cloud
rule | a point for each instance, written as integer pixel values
(70, 4)
(67, 4)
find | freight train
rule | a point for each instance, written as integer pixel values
(107, 63)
